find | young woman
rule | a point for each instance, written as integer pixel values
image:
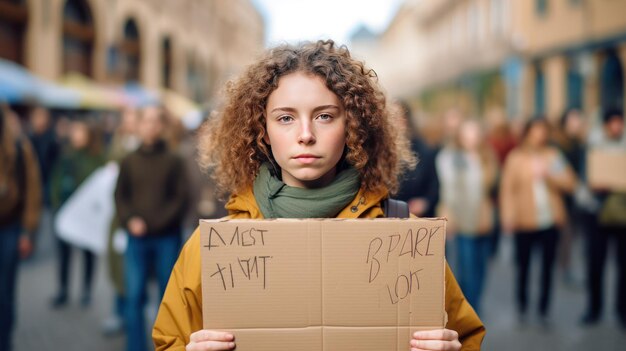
(467, 172)
(305, 132)
(534, 179)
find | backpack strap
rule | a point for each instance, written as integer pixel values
(395, 208)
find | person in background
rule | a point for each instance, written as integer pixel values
(609, 223)
(502, 141)
(150, 197)
(123, 141)
(534, 179)
(81, 157)
(44, 142)
(570, 137)
(420, 186)
(20, 206)
(467, 172)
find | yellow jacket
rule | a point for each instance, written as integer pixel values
(180, 313)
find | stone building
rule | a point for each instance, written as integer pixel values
(530, 57)
(189, 46)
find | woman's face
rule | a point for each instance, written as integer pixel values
(537, 135)
(306, 130)
(470, 135)
(79, 135)
(574, 124)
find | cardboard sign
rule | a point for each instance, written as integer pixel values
(323, 284)
(606, 169)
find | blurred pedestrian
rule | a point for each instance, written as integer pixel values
(534, 179)
(20, 205)
(467, 172)
(570, 138)
(79, 159)
(124, 141)
(502, 141)
(420, 186)
(41, 134)
(151, 197)
(608, 224)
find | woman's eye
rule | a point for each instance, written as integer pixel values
(285, 119)
(325, 117)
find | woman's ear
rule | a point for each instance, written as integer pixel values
(266, 139)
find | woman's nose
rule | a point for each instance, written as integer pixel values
(306, 135)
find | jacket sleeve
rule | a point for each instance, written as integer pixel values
(32, 197)
(123, 194)
(461, 316)
(180, 313)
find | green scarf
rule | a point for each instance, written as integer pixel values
(279, 200)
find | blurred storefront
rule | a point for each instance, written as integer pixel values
(529, 57)
(186, 46)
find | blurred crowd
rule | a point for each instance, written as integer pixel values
(490, 176)
(529, 181)
(160, 194)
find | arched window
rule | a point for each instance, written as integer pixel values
(78, 37)
(166, 68)
(575, 88)
(612, 82)
(130, 52)
(540, 91)
(196, 78)
(13, 20)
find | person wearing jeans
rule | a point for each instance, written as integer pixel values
(150, 197)
(20, 208)
(143, 253)
(467, 173)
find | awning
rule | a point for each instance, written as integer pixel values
(140, 96)
(95, 96)
(18, 85)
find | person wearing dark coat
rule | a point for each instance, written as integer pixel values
(420, 186)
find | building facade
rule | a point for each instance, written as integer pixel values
(530, 57)
(189, 46)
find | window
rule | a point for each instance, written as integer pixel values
(540, 91)
(166, 68)
(498, 9)
(541, 7)
(130, 51)
(13, 19)
(78, 37)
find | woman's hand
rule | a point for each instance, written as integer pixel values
(439, 339)
(205, 340)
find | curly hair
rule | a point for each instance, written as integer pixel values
(231, 143)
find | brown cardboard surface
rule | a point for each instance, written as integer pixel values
(323, 284)
(606, 169)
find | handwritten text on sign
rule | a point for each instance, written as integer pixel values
(251, 267)
(415, 243)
